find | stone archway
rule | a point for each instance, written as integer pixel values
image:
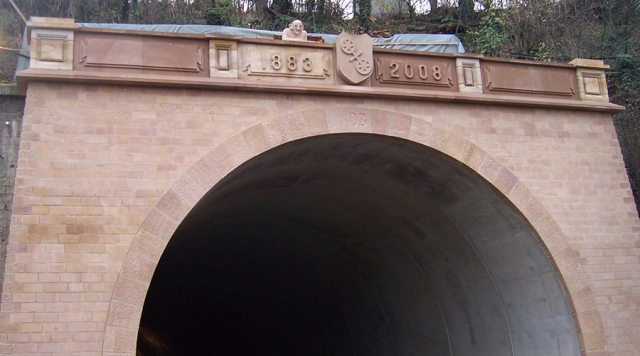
(162, 222)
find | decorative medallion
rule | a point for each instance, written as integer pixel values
(354, 57)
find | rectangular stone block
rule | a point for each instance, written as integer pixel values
(51, 49)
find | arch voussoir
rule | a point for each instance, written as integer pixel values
(438, 138)
(173, 205)
(473, 156)
(256, 138)
(316, 122)
(189, 189)
(336, 120)
(220, 159)
(296, 126)
(380, 122)
(456, 146)
(275, 131)
(163, 220)
(400, 125)
(159, 225)
(239, 149)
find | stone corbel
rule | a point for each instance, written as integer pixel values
(592, 83)
(469, 75)
(223, 59)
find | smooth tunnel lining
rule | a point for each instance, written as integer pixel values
(354, 244)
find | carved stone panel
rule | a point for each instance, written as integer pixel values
(354, 57)
(592, 83)
(223, 59)
(51, 49)
(505, 78)
(285, 63)
(142, 54)
(469, 75)
(415, 71)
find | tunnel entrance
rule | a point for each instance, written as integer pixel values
(354, 244)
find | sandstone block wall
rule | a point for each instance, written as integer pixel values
(95, 160)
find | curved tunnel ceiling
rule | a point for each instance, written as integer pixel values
(354, 244)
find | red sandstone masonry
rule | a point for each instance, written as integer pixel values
(106, 174)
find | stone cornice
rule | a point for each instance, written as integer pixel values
(61, 51)
(343, 90)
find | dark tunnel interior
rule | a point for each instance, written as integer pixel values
(354, 244)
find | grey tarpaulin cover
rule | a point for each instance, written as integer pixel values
(412, 42)
(418, 42)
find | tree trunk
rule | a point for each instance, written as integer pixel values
(261, 8)
(465, 10)
(364, 14)
(125, 11)
(433, 4)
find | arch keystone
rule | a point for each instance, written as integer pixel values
(358, 120)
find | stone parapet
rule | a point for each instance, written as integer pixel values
(350, 67)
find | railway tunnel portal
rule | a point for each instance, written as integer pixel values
(204, 193)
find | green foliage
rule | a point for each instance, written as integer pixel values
(218, 13)
(99, 11)
(489, 38)
(624, 88)
(466, 10)
(11, 25)
(363, 14)
(281, 7)
(625, 79)
(217, 16)
(281, 22)
(10, 37)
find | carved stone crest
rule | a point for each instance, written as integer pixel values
(354, 57)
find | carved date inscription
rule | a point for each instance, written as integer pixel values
(305, 62)
(285, 63)
(414, 70)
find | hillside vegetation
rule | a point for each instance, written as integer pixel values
(544, 30)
